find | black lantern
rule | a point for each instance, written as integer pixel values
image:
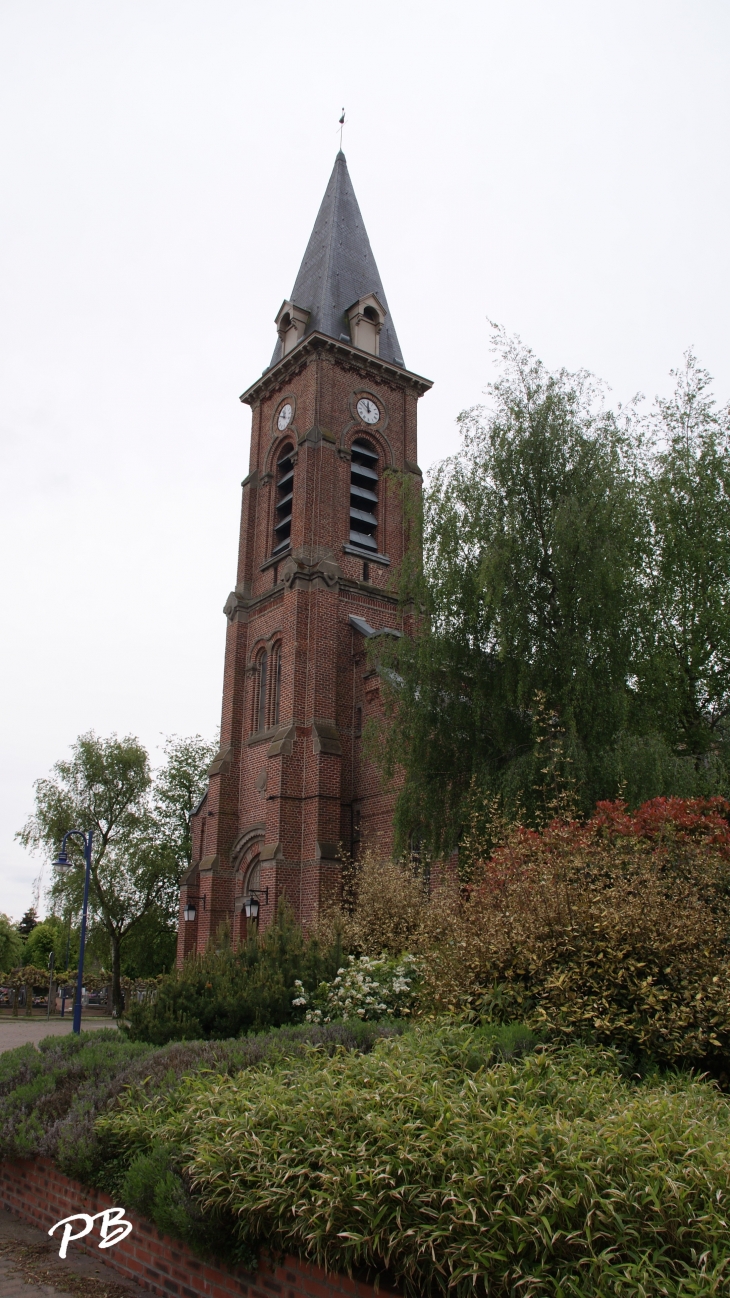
(251, 903)
(190, 910)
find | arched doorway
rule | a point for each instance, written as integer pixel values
(248, 876)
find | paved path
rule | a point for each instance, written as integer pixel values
(12, 1285)
(16, 1032)
(31, 1268)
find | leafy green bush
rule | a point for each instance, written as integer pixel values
(365, 988)
(615, 932)
(435, 1166)
(49, 935)
(223, 993)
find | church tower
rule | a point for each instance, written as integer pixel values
(322, 530)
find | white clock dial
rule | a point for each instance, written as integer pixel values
(368, 411)
(284, 419)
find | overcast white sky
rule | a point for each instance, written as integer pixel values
(560, 166)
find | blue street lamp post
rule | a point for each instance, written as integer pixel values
(62, 863)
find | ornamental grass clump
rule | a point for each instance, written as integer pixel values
(439, 1165)
(616, 931)
(51, 1097)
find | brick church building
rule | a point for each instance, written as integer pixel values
(322, 531)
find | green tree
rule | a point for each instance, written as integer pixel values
(151, 946)
(28, 922)
(141, 840)
(176, 791)
(11, 945)
(49, 935)
(178, 788)
(683, 663)
(529, 588)
(104, 787)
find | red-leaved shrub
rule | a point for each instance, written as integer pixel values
(616, 930)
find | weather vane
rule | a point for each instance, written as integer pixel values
(342, 127)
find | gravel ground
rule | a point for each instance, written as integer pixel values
(16, 1032)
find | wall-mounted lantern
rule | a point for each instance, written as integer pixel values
(190, 909)
(251, 903)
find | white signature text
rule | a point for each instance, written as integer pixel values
(113, 1228)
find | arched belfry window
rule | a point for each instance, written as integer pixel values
(266, 704)
(261, 681)
(364, 496)
(284, 495)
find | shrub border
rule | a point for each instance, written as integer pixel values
(35, 1190)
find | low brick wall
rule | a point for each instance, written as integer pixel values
(36, 1191)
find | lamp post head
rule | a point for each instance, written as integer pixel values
(62, 862)
(189, 912)
(251, 907)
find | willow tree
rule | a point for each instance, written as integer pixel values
(575, 602)
(683, 663)
(531, 536)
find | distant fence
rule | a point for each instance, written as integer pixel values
(29, 987)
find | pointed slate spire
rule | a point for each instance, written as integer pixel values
(339, 268)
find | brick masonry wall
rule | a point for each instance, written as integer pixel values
(37, 1192)
(276, 790)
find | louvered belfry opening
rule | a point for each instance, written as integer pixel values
(284, 493)
(363, 496)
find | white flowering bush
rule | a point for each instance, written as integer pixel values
(365, 988)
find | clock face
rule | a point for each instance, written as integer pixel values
(368, 411)
(284, 419)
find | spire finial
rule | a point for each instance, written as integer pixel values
(342, 127)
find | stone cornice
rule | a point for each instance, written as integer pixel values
(319, 344)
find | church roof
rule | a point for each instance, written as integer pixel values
(339, 268)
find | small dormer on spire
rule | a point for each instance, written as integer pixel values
(366, 318)
(338, 290)
(291, 324)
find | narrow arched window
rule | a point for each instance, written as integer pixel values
(284, 496)
(364, 496)
(262, 675)
(253, 878)
(275, 684)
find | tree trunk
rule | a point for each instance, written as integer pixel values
(117, 994)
